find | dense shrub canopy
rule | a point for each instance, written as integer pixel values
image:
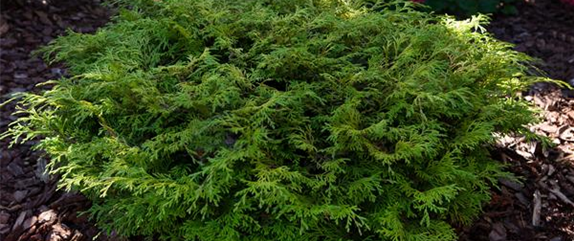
(279, 120)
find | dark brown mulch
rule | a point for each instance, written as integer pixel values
(30, 206)
(543, 29)
(542, 208)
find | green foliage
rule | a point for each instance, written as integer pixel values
(279, 120)
(470, 7)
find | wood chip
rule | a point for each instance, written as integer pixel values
(4, 217)
(513, 185)
(43, 17)
(4, 27)
(551, 170)
(47, 216)
(566, 133)
(524, 154)
(20, 195)
(20, 220)
(537, 200)
(40, 170)
(62, 230)
(31, 221)
(570, 178)
(546, 127)
(522, 199)
(561, 196)
(4, 228)
(498, 232)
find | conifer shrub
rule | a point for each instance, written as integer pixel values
(279, 120)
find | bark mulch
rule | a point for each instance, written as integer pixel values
(541, 207)
(543, 29)
(30, 207)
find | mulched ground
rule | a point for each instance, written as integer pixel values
(541, 208)
(30, 208)
(543, 29)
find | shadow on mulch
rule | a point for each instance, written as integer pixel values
(543, 29)
(542, 206)
(30, 207)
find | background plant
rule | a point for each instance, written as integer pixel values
(279, 120)
(471, 7)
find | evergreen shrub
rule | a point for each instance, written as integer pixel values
(279, 119)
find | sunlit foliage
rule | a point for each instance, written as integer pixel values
(279, 120)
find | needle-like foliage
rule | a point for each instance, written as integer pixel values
(279, 119)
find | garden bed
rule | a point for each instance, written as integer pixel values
(543, 29)
(32, 209)
(30, 206)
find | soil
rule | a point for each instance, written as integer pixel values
(539, 208)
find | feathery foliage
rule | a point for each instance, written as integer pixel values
(279, 120)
